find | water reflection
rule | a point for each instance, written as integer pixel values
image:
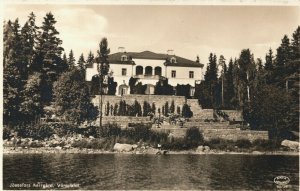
(151, 172)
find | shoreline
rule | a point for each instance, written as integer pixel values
(52, 150)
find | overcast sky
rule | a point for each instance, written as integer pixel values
(188, 30)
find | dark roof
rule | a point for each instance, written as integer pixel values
(155, 56)
(181, 62)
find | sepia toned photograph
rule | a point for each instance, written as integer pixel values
(150, 95)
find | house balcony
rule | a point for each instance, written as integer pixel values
(150, 77)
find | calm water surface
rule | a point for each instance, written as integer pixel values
(116, 171)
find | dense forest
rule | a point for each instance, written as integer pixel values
(266, 91)
(40, 79)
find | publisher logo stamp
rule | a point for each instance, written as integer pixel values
(282, 181)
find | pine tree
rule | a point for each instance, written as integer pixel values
(146, 108)
(178, 110)
(13, 76)
(269, 61)
(166, 108)
(29, 40)
(20, 57)
(283, 56)
(71, 60)
(107, 111)
(245, 62)
(229, 95)
(7, 40)
(64, 64)
(172, 107)
(209, 87)
(48, 56)
(49, 45)
(236, 82)
(81, 65)
(295, 45)
(116, 109)
(90, 58)
(153, 108)
(269, 67)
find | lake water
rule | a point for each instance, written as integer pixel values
(121, 171)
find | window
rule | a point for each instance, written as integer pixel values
(192, 91)
(124, 71)
(157, 71)
(123, 58)
(148, 71)
(191, 74)
(124, 91)
(173, 60)
(173, 74)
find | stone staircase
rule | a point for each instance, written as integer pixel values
(194, 106)
(198, 112)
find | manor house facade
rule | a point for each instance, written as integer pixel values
(149, 67)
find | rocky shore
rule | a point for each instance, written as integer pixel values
(90, 145)
(150, 150)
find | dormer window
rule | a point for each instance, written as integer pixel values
(123, 58)
(173, 60)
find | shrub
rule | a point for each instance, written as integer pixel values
(186, 111)
(39, 132)
(175, 144)
(261, 144)
(243, 143)
(193, 137)
(89, 131)
(6, 133)
(136, 133)
(63, 129)
(108, 130)
(220, 144)
(103, 143)
(81, 144)
(158, 137)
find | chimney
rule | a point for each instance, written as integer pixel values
(198, 59)
(121, 49)
(170, 52)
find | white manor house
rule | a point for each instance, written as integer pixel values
(149, 67)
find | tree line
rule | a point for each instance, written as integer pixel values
(38, 78)
(266, 91)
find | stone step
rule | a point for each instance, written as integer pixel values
(211, 126)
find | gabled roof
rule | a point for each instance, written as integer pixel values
(180, 62)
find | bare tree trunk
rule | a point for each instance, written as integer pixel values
(100, 97)
(223, 91)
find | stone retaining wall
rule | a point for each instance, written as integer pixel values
(159, 100)
(227, 134)
(234, 134)
(125, 119)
